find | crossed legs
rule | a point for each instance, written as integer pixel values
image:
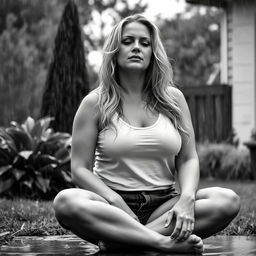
(215, 208)
(89, 216)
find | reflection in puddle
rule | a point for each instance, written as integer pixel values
(72, 245)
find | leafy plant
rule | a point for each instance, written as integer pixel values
(34, 160)
(224, 161)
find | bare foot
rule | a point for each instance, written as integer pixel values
(193, 244)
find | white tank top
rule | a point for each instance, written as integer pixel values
(137, 158)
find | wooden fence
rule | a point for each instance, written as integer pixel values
(211, 111)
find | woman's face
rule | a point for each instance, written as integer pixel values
(135, 50)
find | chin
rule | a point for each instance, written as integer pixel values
(136, 68)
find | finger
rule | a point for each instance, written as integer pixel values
(183, 231)
(169, 219)
(192, 226)
(177, 228)
(188, 232)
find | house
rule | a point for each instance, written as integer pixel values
(238, 59)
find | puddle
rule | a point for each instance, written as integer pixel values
(72, 245)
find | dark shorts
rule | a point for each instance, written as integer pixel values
(144, 203)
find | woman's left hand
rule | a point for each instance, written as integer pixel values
(183, 210)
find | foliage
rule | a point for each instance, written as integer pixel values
(34, 160)
(25, 48)
(67, 80)
(20, 71)
(224, 161)
(27, 32)
(192, 43)
(111, 10)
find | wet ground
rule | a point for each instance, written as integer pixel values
(72, 245)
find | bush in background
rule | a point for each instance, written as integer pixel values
(224, 161)
(34, 160)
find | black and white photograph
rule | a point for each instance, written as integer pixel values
(128, 127)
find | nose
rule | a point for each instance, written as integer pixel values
(136, 47)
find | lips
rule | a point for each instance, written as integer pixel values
(135, 57)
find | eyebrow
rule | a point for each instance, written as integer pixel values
(142, 37)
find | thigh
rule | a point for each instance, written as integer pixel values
(162, 209)
(67, 202)
(215, 193)
(74, 195)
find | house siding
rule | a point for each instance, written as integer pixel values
(229, 45)
(243, 67)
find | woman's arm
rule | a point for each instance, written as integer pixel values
(187, 160)
(84, 139)
(187, 165)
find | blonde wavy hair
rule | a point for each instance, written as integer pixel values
(159, 76)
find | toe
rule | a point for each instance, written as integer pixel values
(194, 239)
(199, 244)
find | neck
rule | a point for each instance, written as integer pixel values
(132, 82)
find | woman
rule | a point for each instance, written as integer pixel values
(129, 136)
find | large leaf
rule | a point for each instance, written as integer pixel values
(28, 183)
(6, 184)
(26, 153)
(63, 154)
(28, 125)
(66, 176)
(45, 123)
(5, 169)
(40, 130)
(15, 124)
(42, 184)
(18, 174)
(19, 162)
(7, 140)
(59, 136)
(46, 171)
(41, 147)
(21, 138)
(6, 156)
(39, 160)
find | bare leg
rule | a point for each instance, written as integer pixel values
(215, 208)
(89, 216)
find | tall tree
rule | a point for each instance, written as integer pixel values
(67, 80)
(192, 41)
(112, 11)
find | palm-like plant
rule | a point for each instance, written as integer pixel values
(34, 160)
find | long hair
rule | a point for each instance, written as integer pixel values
(157, 80)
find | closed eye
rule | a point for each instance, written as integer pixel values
(129, 40)
(145, 43)
(126, 42)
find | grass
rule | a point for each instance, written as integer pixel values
(245, 222)
(21, 217)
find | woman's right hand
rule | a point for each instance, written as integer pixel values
(118, 201)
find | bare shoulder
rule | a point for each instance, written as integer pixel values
(90, 101)
(177, 93)
(88, 109)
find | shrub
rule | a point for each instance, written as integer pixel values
(224, 161)
(34, 160)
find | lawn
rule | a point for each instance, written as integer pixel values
(25, 217)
